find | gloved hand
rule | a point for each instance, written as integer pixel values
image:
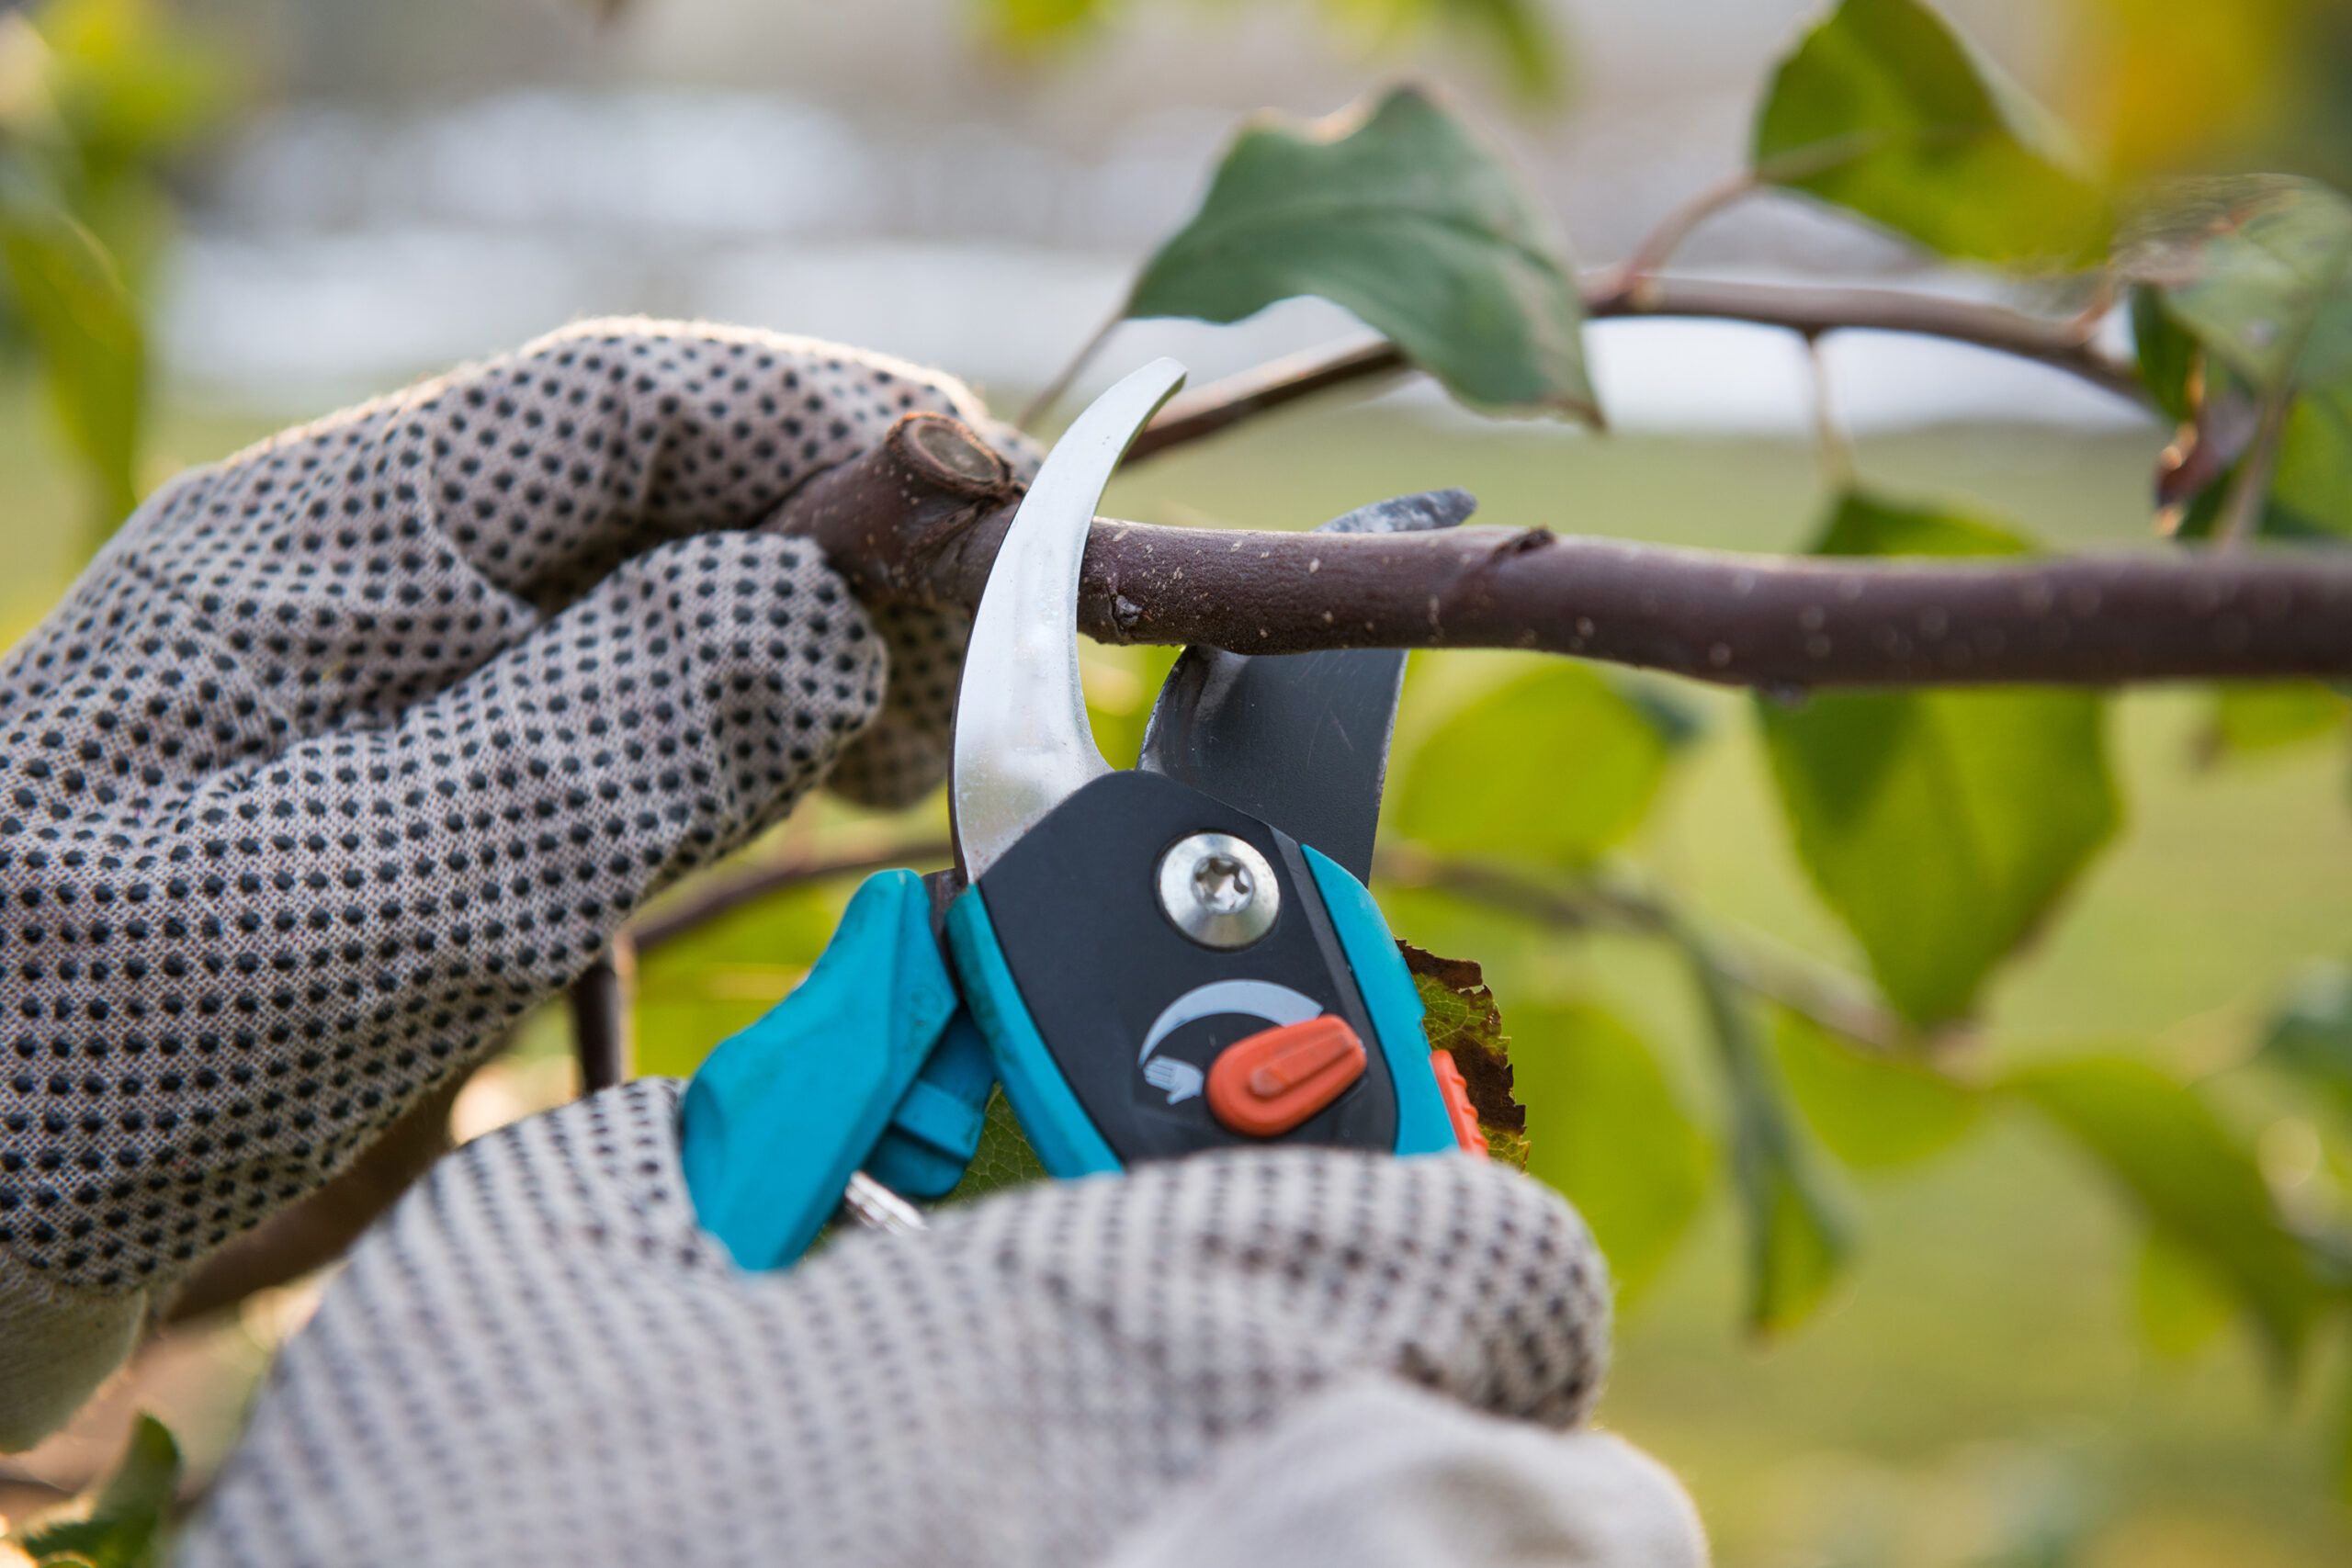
(346, 751)
(1260, 1358)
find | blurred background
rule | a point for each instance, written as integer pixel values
(317, 199)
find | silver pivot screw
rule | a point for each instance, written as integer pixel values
(1218, 890)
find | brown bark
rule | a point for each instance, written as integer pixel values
(910, 521)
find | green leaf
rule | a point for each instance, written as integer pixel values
(2257, 273)
(2167, 355)
(1607, 1130)
(1799, 1237)
(1883, 110)
(1402, 215)
(1866, 524)
(1552, 767)
(2190, 1180)
(1872, 1111)
(133, 81)
(2311, 489)
(2340, 1448)
(1121, 685)
(2258, 716)
(1004, 1158)
(124, 1529)
(2311, 1037)
(2179, 1304)
(1942, 826)
(87, 328)
(1461, 1019)
(2258, 269)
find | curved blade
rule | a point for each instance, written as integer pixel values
(1022, 743)
(1298, 740)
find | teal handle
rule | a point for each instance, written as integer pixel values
(783, 1113)
(936, 1129)
(1066, 1141)
(1423, 1124)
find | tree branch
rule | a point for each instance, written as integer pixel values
(1816, 311)
(905, 522)
(1813, 312)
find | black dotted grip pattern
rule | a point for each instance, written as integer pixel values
(349, 750)
(540, 1358)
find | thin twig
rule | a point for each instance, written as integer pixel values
(717, 895)
(602, 1000)
(1826, 1000)
(2070, 347)
(1658, 247)
(1221, 404)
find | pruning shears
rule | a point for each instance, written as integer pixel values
(1150, 962)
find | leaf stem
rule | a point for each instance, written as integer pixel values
(2241, 517)
(1658, 247)
(1832, 443)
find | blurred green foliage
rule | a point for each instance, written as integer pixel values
(1611, 1131)
(2166, 88)
(1883, 110)
(1800, 1231)
(2268, 716)
(1875, 1111)
(1515, 35)
(2311, 1037)
(124, 1525)
(2195, 1181)
(2246, 299)
(96, 98)
(1943, 825)
(1555, 722)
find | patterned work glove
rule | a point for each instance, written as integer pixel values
(350, 750)
(1246, 1358)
